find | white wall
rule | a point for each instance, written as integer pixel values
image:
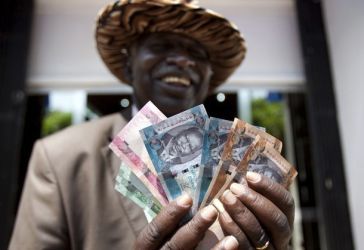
(63, 53)
(345, 30)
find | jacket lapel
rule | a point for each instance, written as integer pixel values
(110, 158)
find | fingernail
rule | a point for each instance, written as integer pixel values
(220, 207)
(231, 243)
(239, 189)
(228, 197)
(217, 203)
(242, 191)
(184, 200)
(209, 213)
(253, 177)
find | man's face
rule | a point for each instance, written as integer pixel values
(186, 143)
(171, 70)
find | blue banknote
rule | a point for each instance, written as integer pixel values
(175, 147)
(217, 131)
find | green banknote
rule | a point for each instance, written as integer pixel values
(128, 184)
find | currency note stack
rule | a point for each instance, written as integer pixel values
(162, 158)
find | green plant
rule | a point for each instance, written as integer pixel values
(269, 115)
(55, 121)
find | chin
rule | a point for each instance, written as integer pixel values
(172, 111)
(173, 106)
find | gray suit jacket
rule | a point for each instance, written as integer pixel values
(69, 201)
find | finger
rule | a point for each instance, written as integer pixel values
(192, 233)
(269, 215)
(227, 243)
(155, 233)
(245, 219)
(230, 227)
(275, 192)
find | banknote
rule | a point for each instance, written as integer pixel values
(128, 184)
(217, 131)
(241, 136)
(175, 146)
(262, 158)
(235, 173)
(129, 147)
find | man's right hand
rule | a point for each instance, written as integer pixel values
(163, 232)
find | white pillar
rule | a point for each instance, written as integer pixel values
(244, 105)
(73, 101)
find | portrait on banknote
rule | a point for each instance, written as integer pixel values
(262, 158)
(264, 166)
(181, 144)
(217, 143)
(240, 147)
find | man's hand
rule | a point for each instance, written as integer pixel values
(260, 215)
(163, 231)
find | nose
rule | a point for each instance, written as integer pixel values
(181, 61)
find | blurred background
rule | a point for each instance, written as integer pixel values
(301, 80)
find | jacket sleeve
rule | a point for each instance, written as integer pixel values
(40, 222)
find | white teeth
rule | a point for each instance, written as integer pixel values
(178, 80)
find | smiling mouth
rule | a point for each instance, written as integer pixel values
(176, 80)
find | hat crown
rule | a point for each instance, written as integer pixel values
(185, 2)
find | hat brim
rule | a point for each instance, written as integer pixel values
(121, 23)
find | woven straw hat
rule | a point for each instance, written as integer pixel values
(121, 23)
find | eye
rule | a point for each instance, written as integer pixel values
(157, 47)
(160, 47)
(199, 53)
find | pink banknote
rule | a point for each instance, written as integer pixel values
(129, 147)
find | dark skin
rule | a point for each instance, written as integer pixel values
(160, 56)
(173, 71)
(260, 211)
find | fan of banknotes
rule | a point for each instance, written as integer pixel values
(162, 158)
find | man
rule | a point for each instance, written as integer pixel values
(174, 54)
